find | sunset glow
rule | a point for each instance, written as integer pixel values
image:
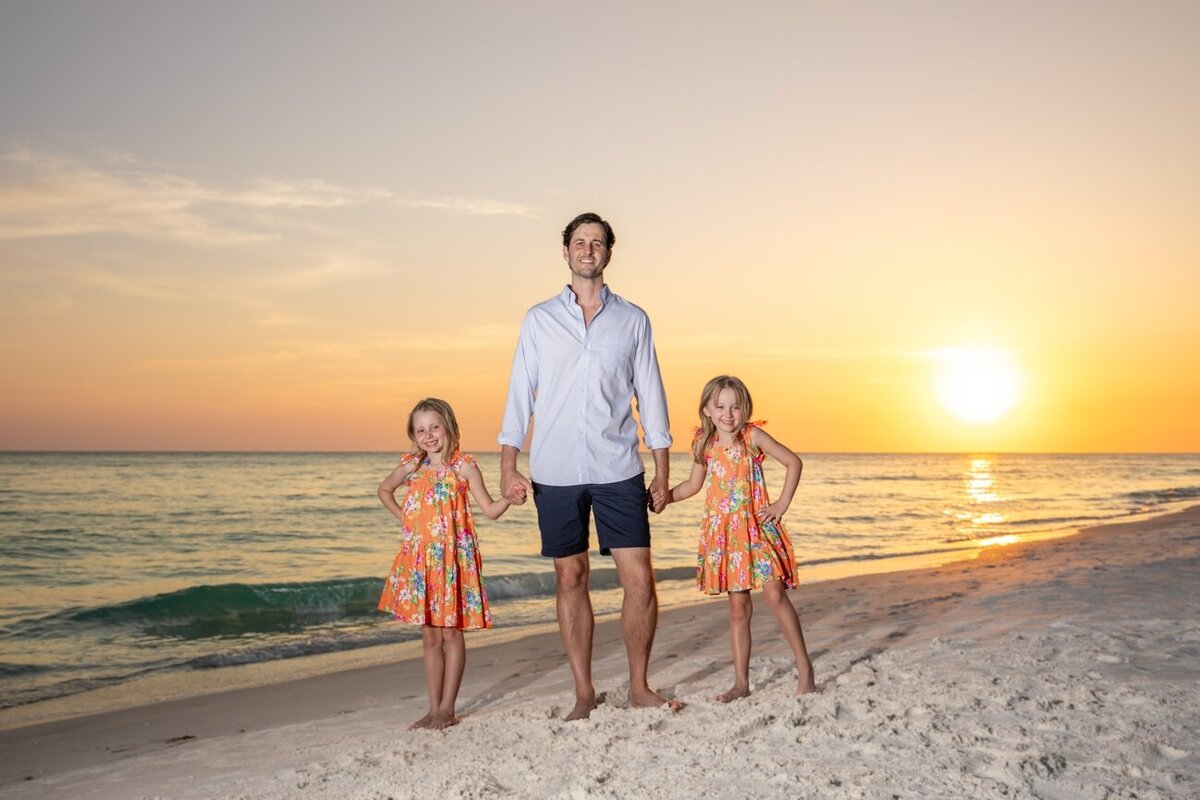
(977, 386)
(266, 250)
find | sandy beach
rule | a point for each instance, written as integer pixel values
(1059, 669)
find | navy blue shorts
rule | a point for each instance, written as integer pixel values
(622, 519)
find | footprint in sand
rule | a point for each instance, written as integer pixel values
(1050, 766)
(1172, 753)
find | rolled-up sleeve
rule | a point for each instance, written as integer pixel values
(522, 383)
(648, 388)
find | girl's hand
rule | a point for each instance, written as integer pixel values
(658, 495)
(773, 513)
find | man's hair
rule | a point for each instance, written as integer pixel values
(584, 219)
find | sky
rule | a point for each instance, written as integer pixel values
(277, 225)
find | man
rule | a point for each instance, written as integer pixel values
(582, 358)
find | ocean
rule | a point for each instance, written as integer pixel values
(116, 565)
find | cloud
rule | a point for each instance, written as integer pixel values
(327, 355)
(334, 270)
(311, 193)
(143, 288)
(688, 346)
(464, 205)
(47, 195)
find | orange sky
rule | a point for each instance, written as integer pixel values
(286, 245)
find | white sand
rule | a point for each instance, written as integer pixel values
(1060, 669)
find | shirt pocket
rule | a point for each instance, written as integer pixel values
(616, 354)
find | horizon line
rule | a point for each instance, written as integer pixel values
(168, 451)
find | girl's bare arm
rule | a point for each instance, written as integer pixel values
(765, 442)
(689, 487)
(387, 489)
(490, 507)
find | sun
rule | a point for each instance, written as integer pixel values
(977, 386)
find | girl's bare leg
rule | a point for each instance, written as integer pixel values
(741, 609)
(435, 668)
(454, 651)
(789, 626)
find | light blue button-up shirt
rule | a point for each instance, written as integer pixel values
(578, 382)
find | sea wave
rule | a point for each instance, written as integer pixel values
(11, 697)
(271, 621)
(9, 670)
(222, 610)
(315, 645)
(239, 609)
(911, 476)
(541, 584)
(1154, 497)
(812, 562)
(1037, 522)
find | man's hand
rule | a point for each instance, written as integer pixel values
(515, 487)
(660, 494)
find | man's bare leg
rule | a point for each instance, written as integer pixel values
(789, 626)
(639, 620)
(576, 623)
(741, 609)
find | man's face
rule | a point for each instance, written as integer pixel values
(587, 253)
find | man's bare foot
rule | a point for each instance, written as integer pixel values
(648, 698)
(423, 722)
(733, 694)
(808, 683)
(440, 720)
(584, 706)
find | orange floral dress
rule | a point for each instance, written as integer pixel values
(436, 578)
(737, 551)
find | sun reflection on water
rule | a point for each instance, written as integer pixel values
(999, 540)
(979, 481)
(979, 510)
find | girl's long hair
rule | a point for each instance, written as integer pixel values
(449, 423)
(707, 427)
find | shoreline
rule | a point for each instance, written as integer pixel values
(185, 683)
(182, 684)
(148, 622)
(516, 676)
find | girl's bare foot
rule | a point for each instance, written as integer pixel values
(733, 694)
(441, 720)
(808, 683)
(423, 722)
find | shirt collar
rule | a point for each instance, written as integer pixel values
(568, 297)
